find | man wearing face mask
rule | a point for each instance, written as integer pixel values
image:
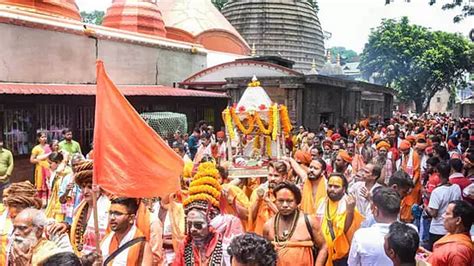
(262, 206)
(314, 184)
(339, 219)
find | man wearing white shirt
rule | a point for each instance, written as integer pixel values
(367, 246)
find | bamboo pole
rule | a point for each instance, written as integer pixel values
(95, 189)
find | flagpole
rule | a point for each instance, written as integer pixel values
(95, 189)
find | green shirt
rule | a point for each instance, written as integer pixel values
(6, 162)
(71, 147)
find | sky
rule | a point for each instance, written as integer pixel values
(350, 21)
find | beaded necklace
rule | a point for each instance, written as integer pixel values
(216, 256)
(286, 235)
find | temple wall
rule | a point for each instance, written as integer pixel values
(33, 55)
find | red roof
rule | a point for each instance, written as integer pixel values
(89, 90)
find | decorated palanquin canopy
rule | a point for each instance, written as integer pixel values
(60, 8)
(256, 114)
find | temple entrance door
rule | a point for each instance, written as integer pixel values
(326, 118)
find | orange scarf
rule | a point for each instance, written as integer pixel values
(308, 203)
(133, 257)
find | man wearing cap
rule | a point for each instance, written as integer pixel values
(342, 164)
(219, 150)
(382, 159)
(420, 148)
(410, 163)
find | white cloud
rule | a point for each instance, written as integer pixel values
(350, 21)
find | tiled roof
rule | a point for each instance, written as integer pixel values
(89, 90)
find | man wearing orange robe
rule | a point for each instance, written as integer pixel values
(456, 248)
(410, 163)
(235, 202)
(262, 202)
(314, 184)
(339, 219)
(121, 219)
(294, 233)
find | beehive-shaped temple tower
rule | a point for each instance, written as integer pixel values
(60, 8)
(286, 28)
(142, 16)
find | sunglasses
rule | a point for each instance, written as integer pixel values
(197, 225)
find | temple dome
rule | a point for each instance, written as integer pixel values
(142, 16)
(199, 21)
(288, 28)
(60, 8)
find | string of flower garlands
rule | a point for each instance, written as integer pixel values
(231, 118)
(285, 121)
(205, 186)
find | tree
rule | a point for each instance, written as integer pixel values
(415, 61)
(219, 3)
(467, 9)
(347, 55)
(94, 17)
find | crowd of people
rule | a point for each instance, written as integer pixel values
(394, 192)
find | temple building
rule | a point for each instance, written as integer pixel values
(312, 98)
(48, 56)
(285, 28)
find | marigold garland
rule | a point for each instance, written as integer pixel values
(276, 121)
(268, 147)
(240, 126)
(213, 172)
(206, 181)
(228, 124)
(205, 189)
(201, 197)
(285, 120)
(256, 143)
(261, 126)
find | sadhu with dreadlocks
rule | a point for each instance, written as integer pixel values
(18, 197)
(82, 232)
(208, 232)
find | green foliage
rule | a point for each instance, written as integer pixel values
(219, 3)
(94, 17)
(466, 6)
(347, 56)
(415, 61)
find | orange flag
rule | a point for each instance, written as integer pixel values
(130, 158)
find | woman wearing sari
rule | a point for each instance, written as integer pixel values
(59, 169)
(39, 156)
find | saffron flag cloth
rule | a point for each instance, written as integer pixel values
(130, 158)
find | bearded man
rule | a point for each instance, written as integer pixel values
(314, 183)
(125, 235)
(383, 161)
(18, 197)
(29, 245)
(202, 245)
(294, 234)
(82, 232)
(342, 164)
(262, 202)
(339, 219)
(410, 163)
